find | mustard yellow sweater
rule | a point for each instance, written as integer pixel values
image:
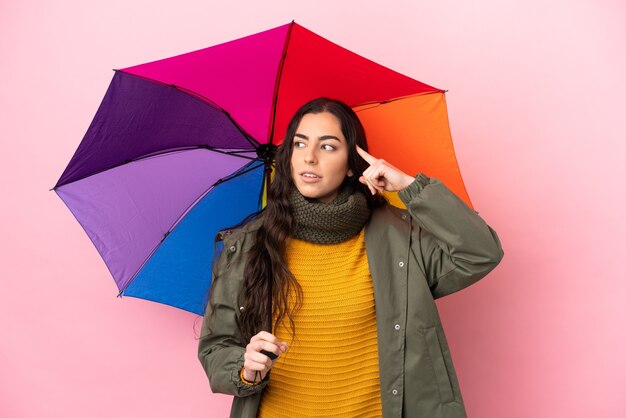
(331, 369)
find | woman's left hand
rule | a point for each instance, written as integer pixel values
(381, 175)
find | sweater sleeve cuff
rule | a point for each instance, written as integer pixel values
(413, 189)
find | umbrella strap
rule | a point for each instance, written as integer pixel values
(269, 306)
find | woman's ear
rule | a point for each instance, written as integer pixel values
(350, 173)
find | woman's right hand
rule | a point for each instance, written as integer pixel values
(255, 361)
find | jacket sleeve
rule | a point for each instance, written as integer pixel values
(219, 349)
(456, 245)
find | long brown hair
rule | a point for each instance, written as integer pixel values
(266, 272)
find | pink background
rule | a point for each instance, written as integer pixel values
(536, 102)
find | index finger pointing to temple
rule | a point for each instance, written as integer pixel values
(367, 157)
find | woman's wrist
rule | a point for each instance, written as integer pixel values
(242, 376)
(408, 180)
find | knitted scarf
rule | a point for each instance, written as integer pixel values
(332, 222)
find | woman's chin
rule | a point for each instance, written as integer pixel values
(312, 192)
(309, 195)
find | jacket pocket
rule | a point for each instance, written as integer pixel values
(439, 365)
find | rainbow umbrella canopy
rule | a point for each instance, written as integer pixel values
(181, 148)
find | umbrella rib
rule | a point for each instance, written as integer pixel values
(375, 103)
(237, 173)
(204, 100)
(277, 85)
(234, 153)
(245, 169)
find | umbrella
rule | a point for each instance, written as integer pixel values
(181, 148)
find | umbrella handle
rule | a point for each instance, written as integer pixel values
(271, 355)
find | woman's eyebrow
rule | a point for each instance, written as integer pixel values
(321, 138)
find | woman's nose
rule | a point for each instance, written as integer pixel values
(310, 157)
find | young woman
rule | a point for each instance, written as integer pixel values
(348, 281)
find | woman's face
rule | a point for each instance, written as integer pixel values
(319, 162)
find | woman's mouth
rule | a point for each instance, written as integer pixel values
(310, 177)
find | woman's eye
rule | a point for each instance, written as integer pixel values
(300, 144)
